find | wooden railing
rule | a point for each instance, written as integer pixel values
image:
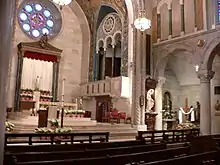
(169, 136)
(56, 138)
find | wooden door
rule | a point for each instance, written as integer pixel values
(108, 66)
(103, 103)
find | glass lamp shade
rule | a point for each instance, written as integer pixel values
(142, 23)
(62, 2)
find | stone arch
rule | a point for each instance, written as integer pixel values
(209, 53)
(108, 40)
(85, 37)
(100, 43)
(166, 54)
(118, 33)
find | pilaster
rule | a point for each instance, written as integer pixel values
(205, 112)
(159, 103)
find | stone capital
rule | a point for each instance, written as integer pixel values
(205, 75)
(160, 81)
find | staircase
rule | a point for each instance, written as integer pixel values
(25, 123)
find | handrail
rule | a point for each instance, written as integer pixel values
(56, 137)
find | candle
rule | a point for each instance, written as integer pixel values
(76, 104)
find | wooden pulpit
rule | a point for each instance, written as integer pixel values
(42, 118)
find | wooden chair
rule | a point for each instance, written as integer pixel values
(115, 116)
(122, 116)
(106, 116)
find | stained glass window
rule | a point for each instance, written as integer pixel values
(36, 19)
(218, 11)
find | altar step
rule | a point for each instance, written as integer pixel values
(117, 131)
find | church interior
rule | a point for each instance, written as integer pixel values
(124, 73)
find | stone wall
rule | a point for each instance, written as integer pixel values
(215, 82)
(70, 41)
(172, 85)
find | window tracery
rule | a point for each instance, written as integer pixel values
(36, 19)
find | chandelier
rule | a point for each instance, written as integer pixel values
(62, 2)
(142, 23)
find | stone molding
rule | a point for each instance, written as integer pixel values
(160, 81)
(205, 75)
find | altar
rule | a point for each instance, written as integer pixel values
(37, 70)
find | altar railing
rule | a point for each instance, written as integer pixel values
(114, 87)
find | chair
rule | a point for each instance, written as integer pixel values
(115, 116)
(122, 116)
(106, 116)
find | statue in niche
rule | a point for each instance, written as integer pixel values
(150, 100)
(37, 84)
(167, 106)
(217, 106)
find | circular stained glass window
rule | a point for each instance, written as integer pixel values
(39, 17)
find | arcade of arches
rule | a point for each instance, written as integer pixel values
(90, 57)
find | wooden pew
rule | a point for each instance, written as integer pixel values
(206, 158)
(71, 147)
(61, 155)
(117, 159)
(169, 136)
(202, 144)
(55, 138)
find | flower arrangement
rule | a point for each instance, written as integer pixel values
(186, 126)
(57, 130)
(73, 111)
(9, 126)
(168, 114)
(54, 122)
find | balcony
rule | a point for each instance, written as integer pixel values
(113, 87)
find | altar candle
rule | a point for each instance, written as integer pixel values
(76, 104)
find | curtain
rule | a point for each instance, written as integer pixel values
(35, 68)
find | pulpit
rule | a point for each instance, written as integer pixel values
(150, 119)
(42, 118)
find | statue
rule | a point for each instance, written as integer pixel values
(217, 106)
(150, 100)
(37, 83)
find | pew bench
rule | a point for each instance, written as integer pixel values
(61, 155)
(206, 158)
(71, 147)
(121, 159)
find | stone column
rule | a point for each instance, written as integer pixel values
(137, 79)
(6, 26)
(170, 21)
(205, 112)
(158, 26)
(182, 17)
(103, 65)
(159, 103)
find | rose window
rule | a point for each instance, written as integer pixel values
(109, 24)
(37, 19)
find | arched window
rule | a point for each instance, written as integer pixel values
(37, 18)
(218, 12)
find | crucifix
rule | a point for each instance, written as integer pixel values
(186, 109)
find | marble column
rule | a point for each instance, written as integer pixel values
(159, 103)
(137, 79)
(170, 21)
(205, 112)
(182, 17)
(6, 28)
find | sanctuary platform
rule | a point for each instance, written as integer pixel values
(25, 123)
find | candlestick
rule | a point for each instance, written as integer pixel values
(76, 104)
